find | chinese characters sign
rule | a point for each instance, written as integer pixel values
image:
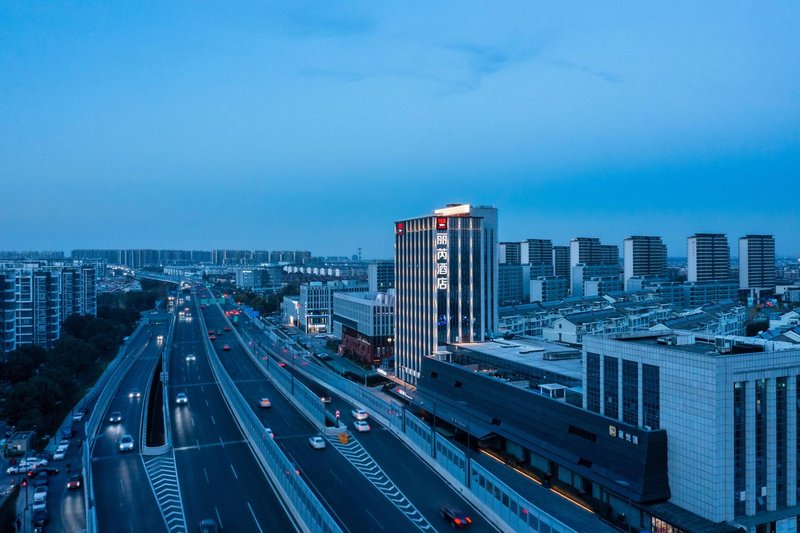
(441, 254)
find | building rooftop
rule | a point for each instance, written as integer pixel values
(535, 354)
(712, 345)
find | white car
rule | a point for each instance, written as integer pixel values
(59, 454)
(34, 462)
(361, 426)
(181, 398)
(359, 414)
(269, 432)
(77, 417)
(316, 442)
(191, 358)
(126, 443)
(40, 494)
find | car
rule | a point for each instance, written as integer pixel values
(361, 426)
(126, 443)
(78, 417)
(264, 402)
(208, 525)
(68, 432)
(359, 414)
(269, 432)
(41, 479)
(456, 517)
(227, 328)
(43, 470)
(281, 364)
(59, 454)
(135, 393)
(39, 506)
(326, 398)
(202, 307)
(40, 494)
(39, 517)
(191, 358)
(17, 469)
(211, 332)
(115, 417)
(74, 481)
(212, 337)
(181, 398)
(316, 442)
(34, 462)
(226, 348)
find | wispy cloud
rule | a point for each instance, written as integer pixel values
(604, 75)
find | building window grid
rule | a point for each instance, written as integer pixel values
(780, 440)
(651, 396)
(630, 392)
(761, 443)
(593, 382)
(739, 447)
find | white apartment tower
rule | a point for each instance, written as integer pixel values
(446, 270)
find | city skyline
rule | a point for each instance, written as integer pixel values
(316, 127)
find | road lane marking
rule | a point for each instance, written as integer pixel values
(206, 402)
(334, 475)
(198, 443)
(218, 518)
(234, 472)
(376, 520)
(223, 442)
(254, 517)
(202, 388)
(206, 473)
(192, 421)
(121, 484)
(213, 421)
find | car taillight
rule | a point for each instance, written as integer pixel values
(469, 520)
(457, 520)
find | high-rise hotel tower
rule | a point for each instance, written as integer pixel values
(446, 282)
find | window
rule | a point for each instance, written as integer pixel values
(593, 382)
(739, 447)
(651, 396)
(611, 386)
(630, 392)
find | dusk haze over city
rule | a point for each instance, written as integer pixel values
(363, 267)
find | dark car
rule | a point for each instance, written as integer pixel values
(208, 525)
(456, 517)
(41, 479)
(74, 481)
(67, 432)
(39, 470)
(39, 517)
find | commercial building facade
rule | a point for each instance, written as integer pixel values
(365, 323)
(315, 310)
(730, 409)
(446, 276)
(380, 276)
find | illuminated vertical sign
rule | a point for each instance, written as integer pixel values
(441, 253)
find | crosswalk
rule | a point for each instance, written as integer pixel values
(364, 463)
(164, 479)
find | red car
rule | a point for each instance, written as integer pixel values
(212, 337)
(226, 348)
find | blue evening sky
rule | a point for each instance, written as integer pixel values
(315, 125)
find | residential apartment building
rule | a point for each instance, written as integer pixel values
(446, 276)
(709, 257)
(757, 263)
(380, 276)
(561, 261)
(549, 288)
(8, 321)
(513, 284)
(259, 279)
(644, 257)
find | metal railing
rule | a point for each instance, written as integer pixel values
(303, 504)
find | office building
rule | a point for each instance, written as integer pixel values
(730, 409)
(709, 257)
(8, 321)
(315, 311)
(380, 276)
(365, 323)
(644, 257)
(446, 275)
(757, 263)
(561, 262)
(259, 279)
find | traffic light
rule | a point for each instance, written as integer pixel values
(24, 482)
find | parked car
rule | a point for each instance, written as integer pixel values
(181, 398)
